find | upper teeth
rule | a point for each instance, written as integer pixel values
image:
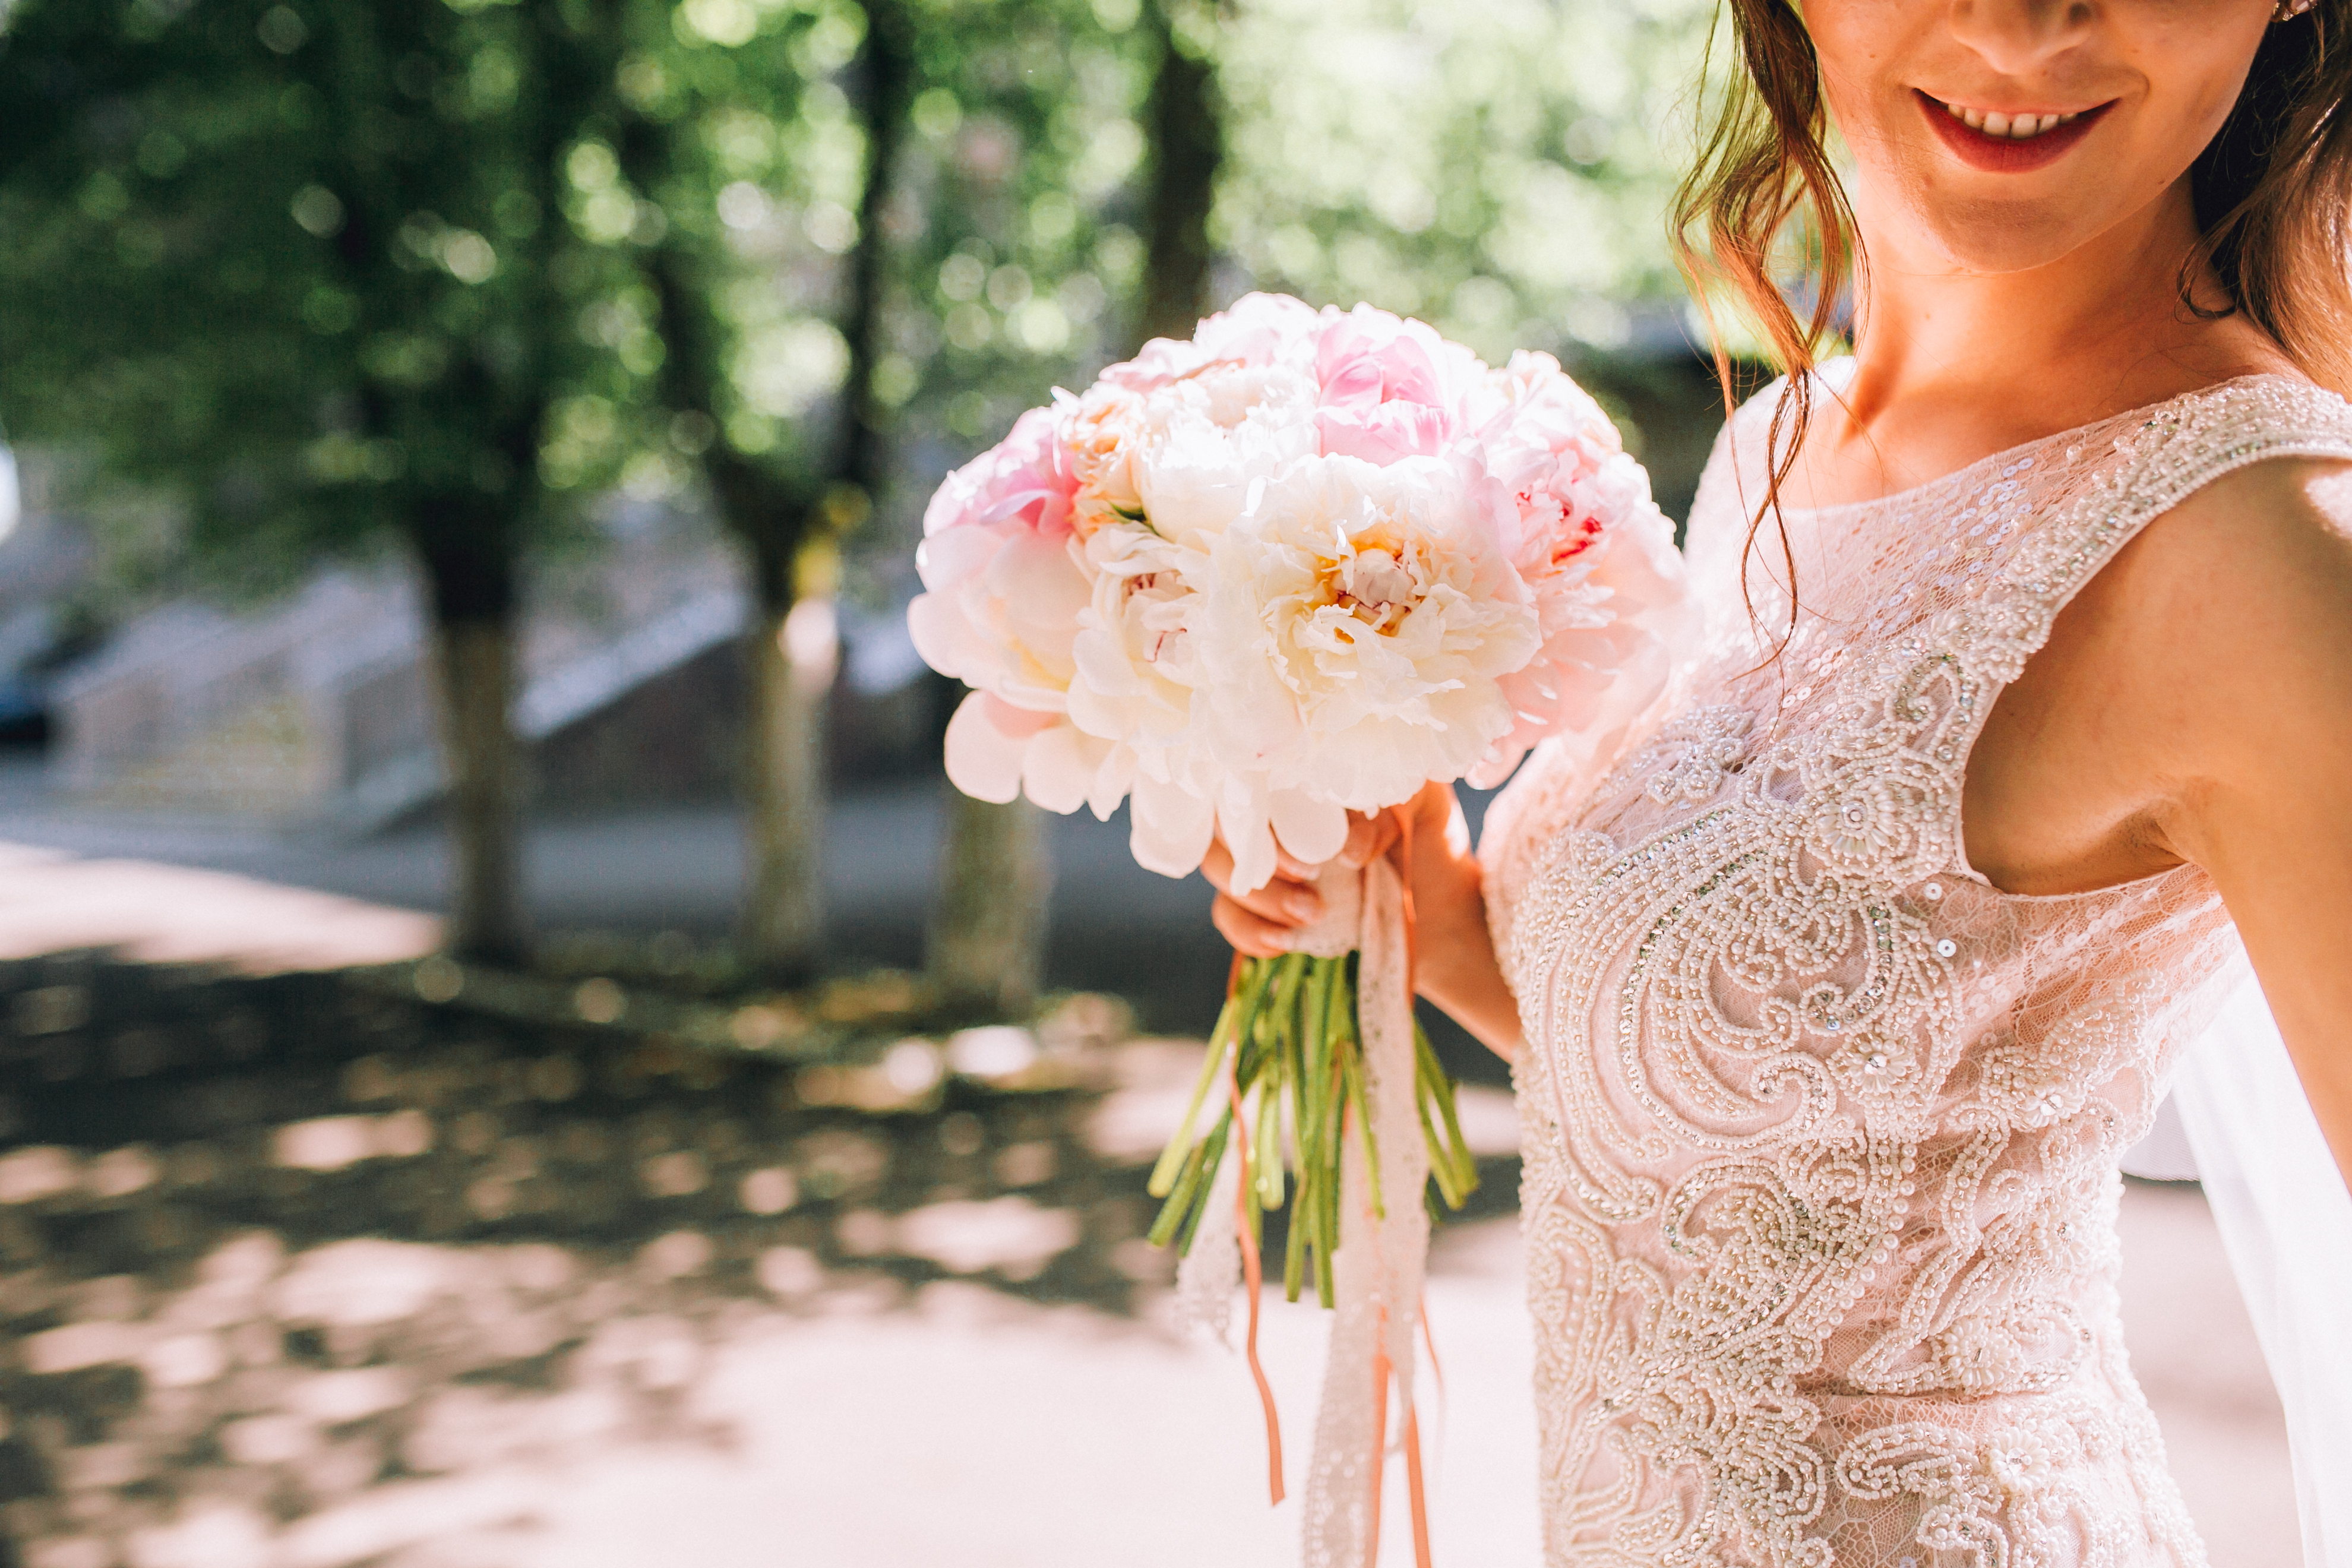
(1998, 124)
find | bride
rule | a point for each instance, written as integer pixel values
(1836, 987)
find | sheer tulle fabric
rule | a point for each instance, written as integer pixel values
(2286, 1221)
(1820, 1129)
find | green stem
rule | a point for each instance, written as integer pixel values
(1171, 1158)
(1292, 1040)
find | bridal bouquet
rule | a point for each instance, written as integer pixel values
(1296, 568)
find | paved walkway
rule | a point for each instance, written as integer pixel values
(51, 902)
(962, 1427)
(682, 869)
(1059, 1439)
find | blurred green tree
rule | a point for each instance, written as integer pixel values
(768, 137)
(1501, 170)
(1188, 136)
(1022, 274)
(338, 272)
(317, 272)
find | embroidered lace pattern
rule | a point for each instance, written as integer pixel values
(1820, 1128)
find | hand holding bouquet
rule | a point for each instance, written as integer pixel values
(1299, 566)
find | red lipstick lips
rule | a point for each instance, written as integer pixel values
(2005, 154)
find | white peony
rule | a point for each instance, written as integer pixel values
(1352, 630)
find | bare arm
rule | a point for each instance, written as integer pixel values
(2249, 646)
(1455, 965)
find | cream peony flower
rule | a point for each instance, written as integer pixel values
(1352, 630)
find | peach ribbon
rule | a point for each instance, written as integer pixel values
(1253, 1281)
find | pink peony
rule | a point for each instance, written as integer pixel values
(1002, 580)
(1594, 551)
(1003, 588)
(1391, 388)
(1024, 480)
(1258, 329)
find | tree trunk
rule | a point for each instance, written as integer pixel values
(988, 930)
(790, 659)
(1187, 146)
(474, 664)
(887, 76)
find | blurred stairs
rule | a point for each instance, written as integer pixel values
(317, 710)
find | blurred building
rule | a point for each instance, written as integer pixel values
(317, 708)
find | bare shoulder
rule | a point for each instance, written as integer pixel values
(2237, 605)
(2269, 540)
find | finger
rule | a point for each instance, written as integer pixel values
(1369, 836)
(1252, 934)
(1290, 865)
(1217, 865)
(1436, 807)
(1286, 900)
(1451, 822)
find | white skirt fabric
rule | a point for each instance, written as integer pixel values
(2285, 1218)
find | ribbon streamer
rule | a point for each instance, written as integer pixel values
(1377, 1266)
(1255, 1282)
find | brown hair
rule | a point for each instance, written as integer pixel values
(2273, 193)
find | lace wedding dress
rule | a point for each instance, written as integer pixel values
(1820, 1128)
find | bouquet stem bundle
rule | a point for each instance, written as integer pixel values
(1289, 1043)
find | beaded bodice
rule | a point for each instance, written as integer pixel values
(1820, 1128)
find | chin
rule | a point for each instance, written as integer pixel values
(1989, 237)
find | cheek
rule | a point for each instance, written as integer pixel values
(1859, 43)
(2195, 73)
(2211, 93)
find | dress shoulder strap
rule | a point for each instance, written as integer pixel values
(2102, 487)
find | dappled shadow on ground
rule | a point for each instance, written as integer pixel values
(288, 1267)
(306, 1272)
(1115, 927)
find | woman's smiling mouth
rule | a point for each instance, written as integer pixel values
(2009, 141)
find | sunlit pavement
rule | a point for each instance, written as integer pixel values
(681, 869)
(51, 902)
(955, 1425)
(987, 1432)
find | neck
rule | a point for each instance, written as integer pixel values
(1952, 364)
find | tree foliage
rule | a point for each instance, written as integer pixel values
(1501, 169)
(332, 273)
(309, 271)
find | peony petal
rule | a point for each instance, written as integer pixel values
(947, 559)
(1110, 718)
(944, 637)
(1111, 783)
(1171, 828)
(1250, 837)
(1017, 720)
(1059, 766)
(983, 760)
(1102, 663)
(1312, 830)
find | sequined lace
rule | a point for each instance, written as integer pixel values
(1820, 1128)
